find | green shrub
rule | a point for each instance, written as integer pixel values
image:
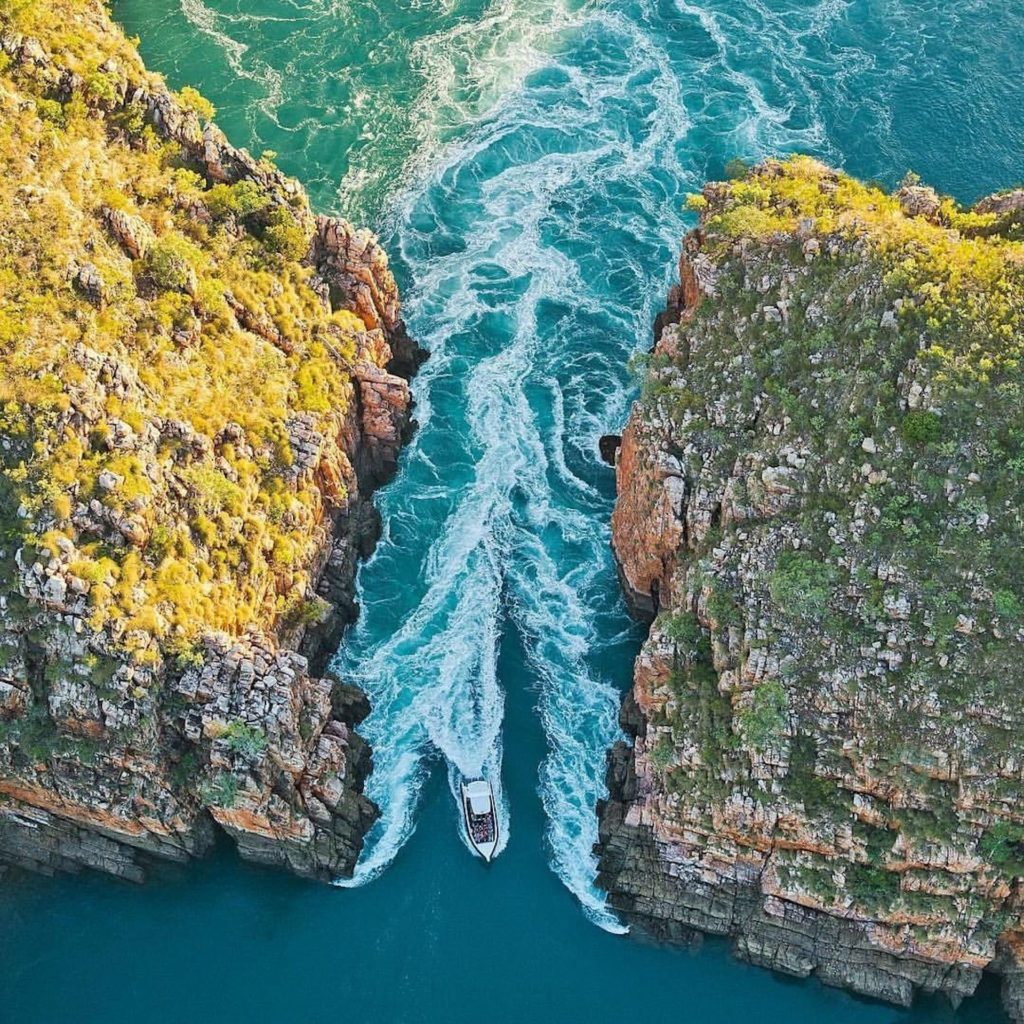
(661, 754)
(764, 721)
(221, 791)
(1003, 846)
(722, 608)
(131, 119)
(801, 584)
(246, 739)
(638, 364)
(921, 427)
(160, 541)
(101, 86)
(184, 653)
(212, 492)
(878, 841)
(682, 628)
(242, 199)
(192, 99)
(285, 236)
(817, 794)
(1006, 604)
(303, 612)
(872, 887)
(205, 529)
(171, 263)
(51, 111)
(737, 168)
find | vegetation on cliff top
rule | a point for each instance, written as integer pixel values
(159, 337)
(843, 397)
(898, 352)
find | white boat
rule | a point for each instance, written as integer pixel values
(481, 817)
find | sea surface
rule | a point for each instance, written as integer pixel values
(526, 162)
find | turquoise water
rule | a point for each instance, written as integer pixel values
(526, 163)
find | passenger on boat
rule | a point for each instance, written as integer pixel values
(480, 828)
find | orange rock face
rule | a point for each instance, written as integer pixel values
(647, 525)
(113, 748)
(804, 776)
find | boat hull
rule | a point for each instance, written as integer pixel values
(480, 818)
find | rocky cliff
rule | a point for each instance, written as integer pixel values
(202, 383)
(819, 508)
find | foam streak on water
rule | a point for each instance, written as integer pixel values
(531, 157)
(243, 63)
(538, 238)
(525, 535)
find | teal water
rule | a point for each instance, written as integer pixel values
(526, 163)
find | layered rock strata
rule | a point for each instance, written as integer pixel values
(819, 512)
(126, 737)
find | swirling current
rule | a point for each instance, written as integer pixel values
(526, 163)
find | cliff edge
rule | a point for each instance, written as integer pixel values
(819, 507)
(202, 383)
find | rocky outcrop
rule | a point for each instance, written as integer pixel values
(127, 737)
(133, 234)
(816, 509)
(296, 767)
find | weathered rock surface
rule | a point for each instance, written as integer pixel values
(112, 746)
(828, 754)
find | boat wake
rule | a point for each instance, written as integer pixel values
(529, 324)
(545, 148)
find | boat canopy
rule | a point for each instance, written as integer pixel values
(479, 794)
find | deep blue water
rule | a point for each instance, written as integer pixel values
(526, 162)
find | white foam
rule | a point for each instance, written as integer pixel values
(526, 537)
(466, 70)
(242, 62)
(433, 683)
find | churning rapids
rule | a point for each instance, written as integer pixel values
(526, 163)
